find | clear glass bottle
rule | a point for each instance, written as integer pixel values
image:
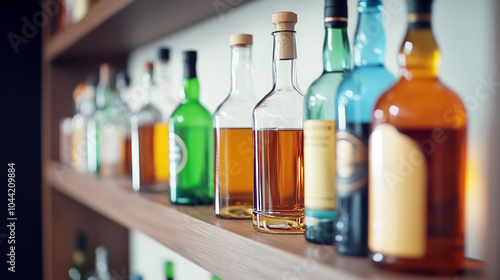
(149, 141)
(167, 97)
(417, 162)
(319, 127)
(110, 127)
(277, 131)
(233, 136)
(191, 143)
(122, 90)
(83, 128)
(357, 95)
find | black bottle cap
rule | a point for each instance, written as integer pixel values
(189, 58)
(419, 6)
(336, 12)
(164, 54)
(80, 241)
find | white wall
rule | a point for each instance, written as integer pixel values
(463, 29)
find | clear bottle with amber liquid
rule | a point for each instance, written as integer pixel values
(232, 123)
(149, 142)
(278, 145)
(319, 127)
(417, 162)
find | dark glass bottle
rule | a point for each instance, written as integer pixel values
(319, 127)
(191, 143)
(356, 98)
(417, 162)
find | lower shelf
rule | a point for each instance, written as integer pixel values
(230, 249)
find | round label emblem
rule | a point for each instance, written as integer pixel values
(352, 162)
(179, 154)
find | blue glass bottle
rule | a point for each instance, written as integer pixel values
(356, 98)
(319, 125)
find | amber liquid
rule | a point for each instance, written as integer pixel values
(128, 155)
(153, 156)
(279, 181)
(445, 202)
(233, 173)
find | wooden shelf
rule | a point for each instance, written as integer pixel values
(196, 234)
(115, 27)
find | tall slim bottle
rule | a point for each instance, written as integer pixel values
(110, 127)
(167, 97)
(122, 89)
(233, 136)
(356, 98)
(319, 127)
(417, 162)
(191, 143)
(149, 142)
(278, 205)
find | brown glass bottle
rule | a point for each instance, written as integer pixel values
(417, 162)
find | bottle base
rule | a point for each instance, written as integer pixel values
(279, 225)
(437, 266)
(235, 212)
(193, 201)
(159, 187)
(321, 233)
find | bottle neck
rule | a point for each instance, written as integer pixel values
(284, 57)
(369, 43)
(336, 51)
(148, 85)
(419, 56)
(241, 69)
(191, 85)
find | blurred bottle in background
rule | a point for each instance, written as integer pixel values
(78, 271)
(149, 141)
(167, 97)
(110, 127)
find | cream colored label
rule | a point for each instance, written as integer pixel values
(319, 164)
(398, 194)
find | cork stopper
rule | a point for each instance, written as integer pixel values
(284, 23)
(148, 66)
(240, 40)
(104, 73)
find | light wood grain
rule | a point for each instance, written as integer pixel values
(115, 27)
(231, 249)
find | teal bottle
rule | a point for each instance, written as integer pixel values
(355, 102)
(191, 143)
(319, 127)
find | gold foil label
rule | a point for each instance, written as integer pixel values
(352, 162)
(319, 164)
(397, 195)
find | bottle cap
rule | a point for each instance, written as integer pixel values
(240, 39)
(148, 65)
(189, 56)
(80, 241)
(164, 54)
(419, 6)
(104, 71)
(335, 10)
(285, 21)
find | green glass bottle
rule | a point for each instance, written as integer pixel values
(191, 143)
(319, 127)
(169, 271)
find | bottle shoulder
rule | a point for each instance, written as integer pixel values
(324, 87)
(424, 102)
(191, 112)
